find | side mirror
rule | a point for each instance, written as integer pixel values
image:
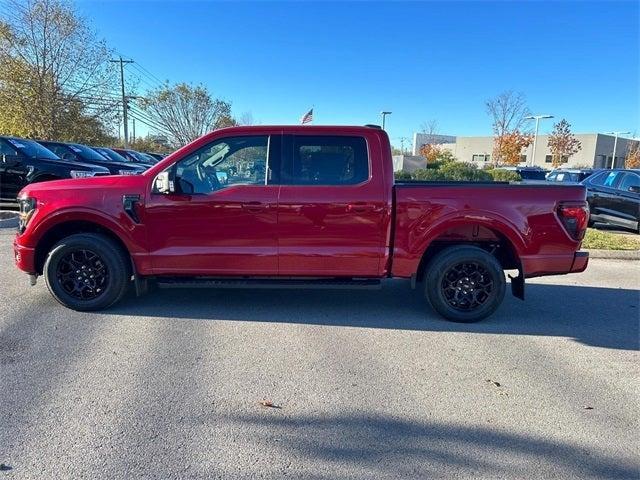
(163, 184)
(634, 188)
(68, 156)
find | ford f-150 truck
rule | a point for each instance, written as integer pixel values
(296, 207)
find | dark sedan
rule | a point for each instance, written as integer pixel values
(76, 152)
(570, 175)
(614, 198)
(135, 156)
(116, 157)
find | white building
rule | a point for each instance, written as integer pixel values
(596, 151)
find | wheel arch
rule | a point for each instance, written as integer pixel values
(71, 226)
(496, 237)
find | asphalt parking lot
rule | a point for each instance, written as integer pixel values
(364, 384)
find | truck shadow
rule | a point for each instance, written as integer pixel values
(603, 317)
(394, 448)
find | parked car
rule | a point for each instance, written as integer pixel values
(136, 156)
(569, 175)
(614, 198)
(76, 152)
(529, 174)
(24, 161)
(114, 156)
(157, 156)
(301, 207)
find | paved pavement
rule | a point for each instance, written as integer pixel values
(367, 384)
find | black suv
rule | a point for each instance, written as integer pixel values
(25, 161)
(76, 152)
(614, 198)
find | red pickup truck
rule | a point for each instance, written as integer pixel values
(296, 207)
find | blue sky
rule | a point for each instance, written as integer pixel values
(420, 60)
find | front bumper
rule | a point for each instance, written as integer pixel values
(25, 257)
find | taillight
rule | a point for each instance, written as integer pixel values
(575, 218)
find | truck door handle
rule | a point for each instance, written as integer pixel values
(360, 207)
(255, 207)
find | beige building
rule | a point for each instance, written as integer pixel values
(596, 152)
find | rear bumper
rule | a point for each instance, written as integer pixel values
(24, 257)
(580, 262)
(541, 265)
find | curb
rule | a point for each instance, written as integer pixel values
(615, 254)
(8, 219)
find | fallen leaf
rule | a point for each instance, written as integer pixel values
(269, 404)
(587, 407)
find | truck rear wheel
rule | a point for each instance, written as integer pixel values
(464, 284)
(87, 272)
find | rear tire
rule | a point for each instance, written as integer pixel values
(87, 272)
(464, 284)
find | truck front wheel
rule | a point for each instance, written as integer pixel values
(86, 272)
(464, 283)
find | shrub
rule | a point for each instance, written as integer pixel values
(459, 171)
(428, 175)
(402, 175)
(499, 175)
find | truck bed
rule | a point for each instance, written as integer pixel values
(520, 216)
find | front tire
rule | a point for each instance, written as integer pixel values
(464, 284)
(87, 272)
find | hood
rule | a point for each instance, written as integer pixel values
(75, 186)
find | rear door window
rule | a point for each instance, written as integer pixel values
(325, 160)
(628, 180)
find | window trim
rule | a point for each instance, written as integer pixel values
(172, 169)
(288, 145)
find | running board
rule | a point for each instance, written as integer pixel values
(327, 284)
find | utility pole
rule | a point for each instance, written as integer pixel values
(537, 118)
(134, 128)
(615, 147)
(124, 99)
(384, 115)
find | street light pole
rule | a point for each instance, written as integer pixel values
(537, 118)
(615, 147)
(384, 114)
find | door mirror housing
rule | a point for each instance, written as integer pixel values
(634, 188)
(163, 184)
(69, 156)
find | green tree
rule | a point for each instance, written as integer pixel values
(55, 78)
(186, 112)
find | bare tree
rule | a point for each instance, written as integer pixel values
(508, 111)
(430, 127)
(186, 112)
(246, 119)
(54, 71)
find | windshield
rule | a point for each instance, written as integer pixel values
(86, 152)
(111, 155)
(32, 149)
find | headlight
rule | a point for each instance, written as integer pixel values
(27, 207)
(82, 173)
(128, 172)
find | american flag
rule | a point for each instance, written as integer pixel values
(307, 117)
